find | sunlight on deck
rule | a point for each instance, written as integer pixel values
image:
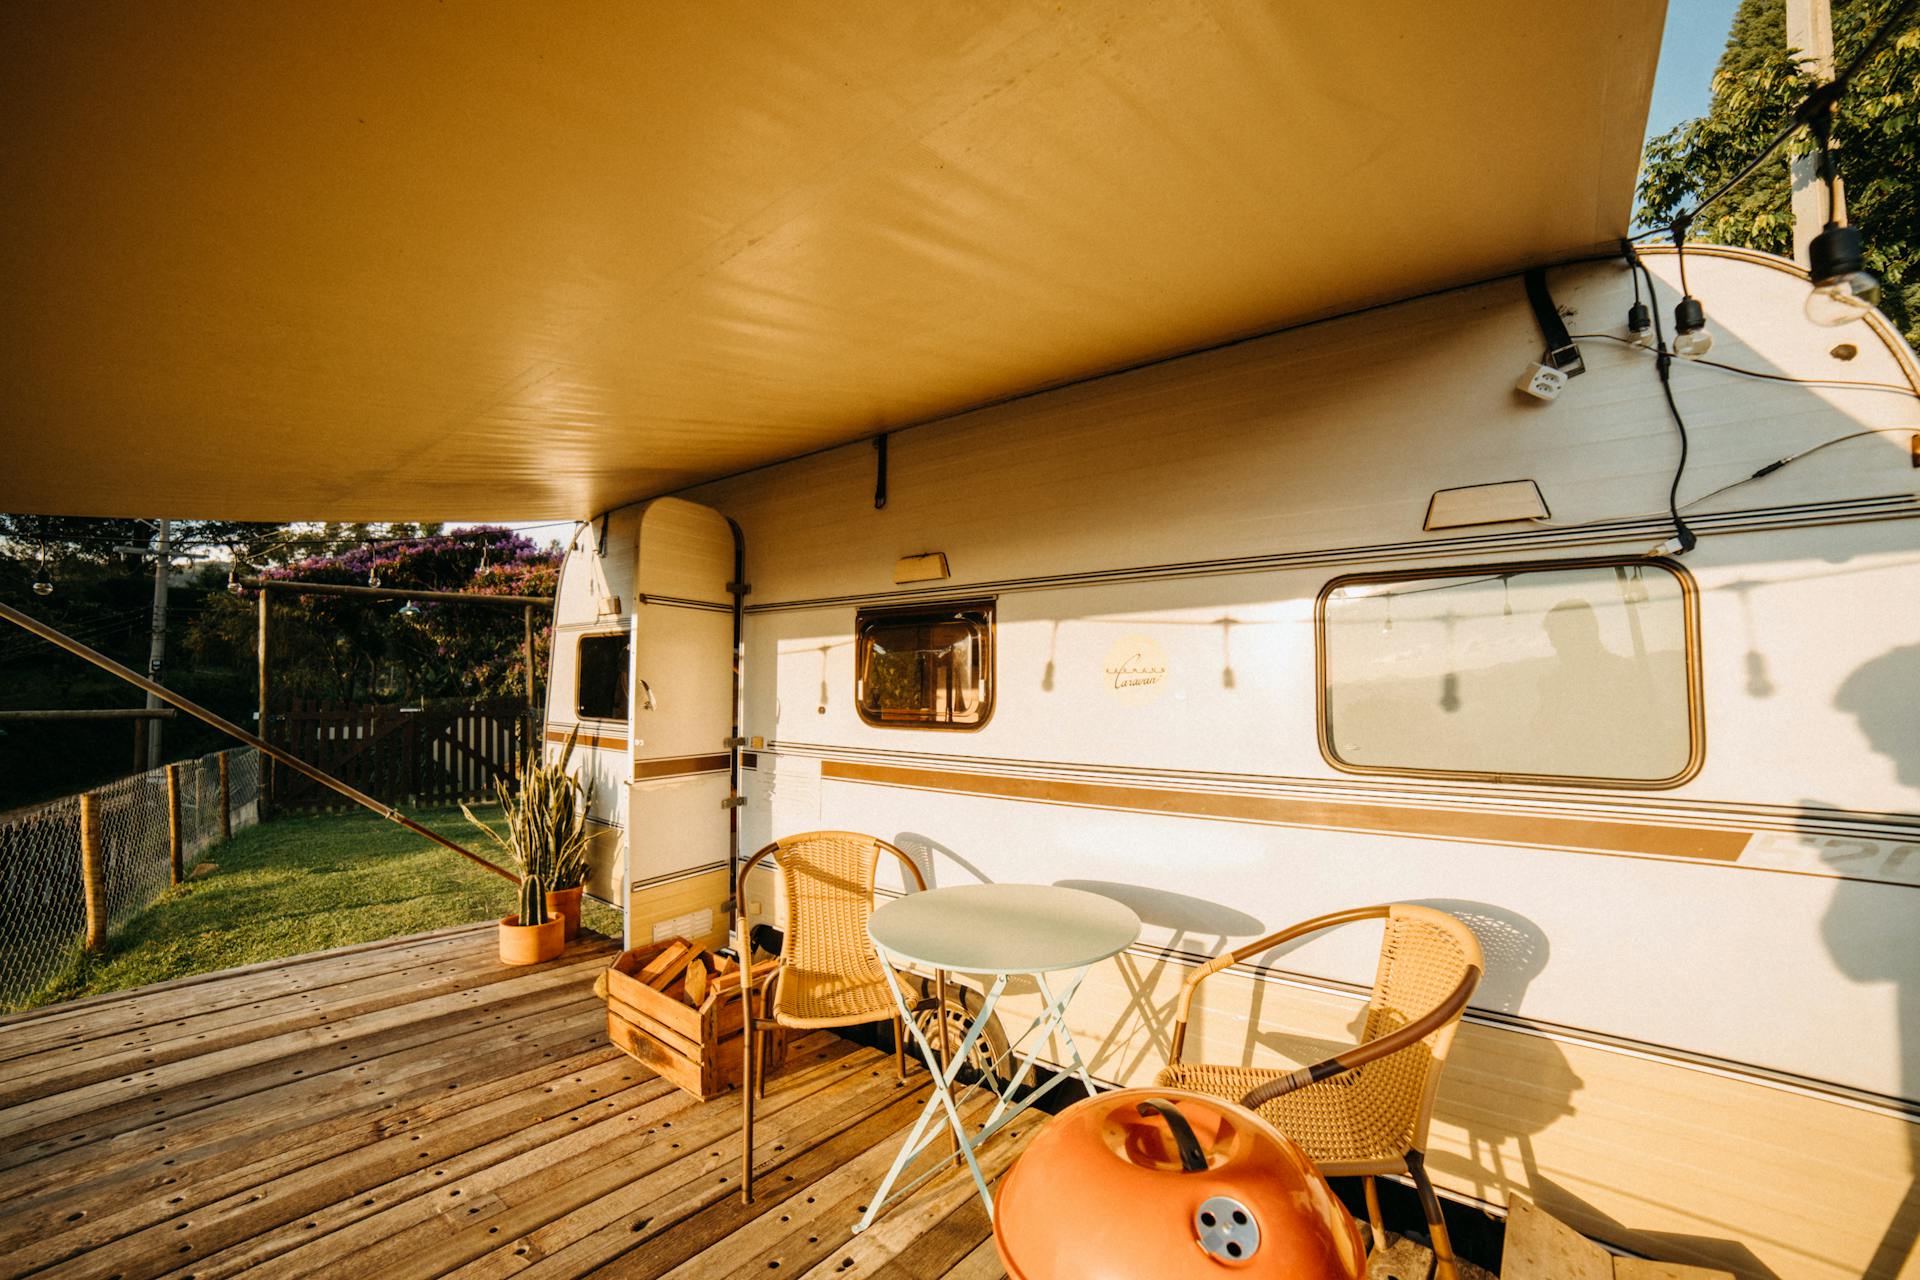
(413, 1108)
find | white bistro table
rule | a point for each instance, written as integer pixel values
(997, 931)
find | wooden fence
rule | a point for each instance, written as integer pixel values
(434, 756)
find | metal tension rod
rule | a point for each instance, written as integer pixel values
(199, 712)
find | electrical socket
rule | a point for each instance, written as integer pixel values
(1542, 382)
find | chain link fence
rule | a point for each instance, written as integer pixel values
(45, 919)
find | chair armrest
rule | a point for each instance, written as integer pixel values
(1358, 1056)
(1193, 980)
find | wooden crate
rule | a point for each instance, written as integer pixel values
(697, 1049)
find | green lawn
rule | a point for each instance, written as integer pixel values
(299, 884)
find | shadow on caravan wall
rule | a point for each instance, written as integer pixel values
(1193, 925)
(1880, 696)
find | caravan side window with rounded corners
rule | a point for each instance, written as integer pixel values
(600, 677)
(1580, 671)
(929, 667)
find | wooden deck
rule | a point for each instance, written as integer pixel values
(412, 1108)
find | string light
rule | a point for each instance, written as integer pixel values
(1843, 290)
(43, 581)
(1690, 336)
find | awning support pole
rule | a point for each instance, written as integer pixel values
(194, 709)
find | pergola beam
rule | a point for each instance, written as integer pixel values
(94, 713)
(392, 593)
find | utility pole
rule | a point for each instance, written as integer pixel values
(1810, 30)
(157, 652)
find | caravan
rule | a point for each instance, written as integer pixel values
(1337, 616)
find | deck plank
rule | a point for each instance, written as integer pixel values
(179, 1087)
(201, 1034)
(414, 1109)
(71, 1026)
(313, 1109)
(311, 1134)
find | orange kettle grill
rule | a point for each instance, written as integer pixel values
(1168, 1184)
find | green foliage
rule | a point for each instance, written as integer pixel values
(104, 600)
(342, 649)
(1876, 137)
(546, 821)
(533, 901)
(328, 649)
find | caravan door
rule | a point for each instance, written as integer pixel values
(684, 692)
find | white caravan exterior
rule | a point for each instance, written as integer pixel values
(1692, 855)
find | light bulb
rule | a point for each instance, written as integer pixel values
(1692, 344)
(43, 588)
(1640, 324)
(1843, 301)
(1690, 336)
(1843, 290)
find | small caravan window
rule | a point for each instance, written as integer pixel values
(1583, 671)
(600, 688)
(928, 668)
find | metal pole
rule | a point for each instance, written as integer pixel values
(528, 617)
(157, 651)
(29, 623)
(531, 750)
(266, 765)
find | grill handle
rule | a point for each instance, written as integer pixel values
(1192, 1158)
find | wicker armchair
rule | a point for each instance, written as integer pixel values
(829, 973)
(1364, 1111)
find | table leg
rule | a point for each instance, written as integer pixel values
(941, 1100)
(1052, 1016)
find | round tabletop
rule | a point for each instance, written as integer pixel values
(1003, 928)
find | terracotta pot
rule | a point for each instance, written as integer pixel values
(566, 904)
(531, 944)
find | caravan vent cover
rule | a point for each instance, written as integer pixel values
(1486, 504)
(694, 924)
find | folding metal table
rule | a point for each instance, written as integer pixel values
(996, 931)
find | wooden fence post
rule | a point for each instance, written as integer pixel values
(93, 879)
(226, 798)
(173, 822)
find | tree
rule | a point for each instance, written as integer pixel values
(1876, 136)
(346, 649)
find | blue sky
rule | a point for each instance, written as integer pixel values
(1695, 34)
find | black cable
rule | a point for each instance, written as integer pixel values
(1663, 364)
(1759, 373)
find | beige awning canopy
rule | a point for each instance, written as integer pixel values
(395, 259)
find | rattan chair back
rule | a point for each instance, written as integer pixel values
(830, 975)
(1424, 955)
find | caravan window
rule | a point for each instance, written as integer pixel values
(600, 680)
(1583, 671)
(928, 668)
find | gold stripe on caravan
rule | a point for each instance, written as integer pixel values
(1489, 828)
(606, 742)
(676, 766)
